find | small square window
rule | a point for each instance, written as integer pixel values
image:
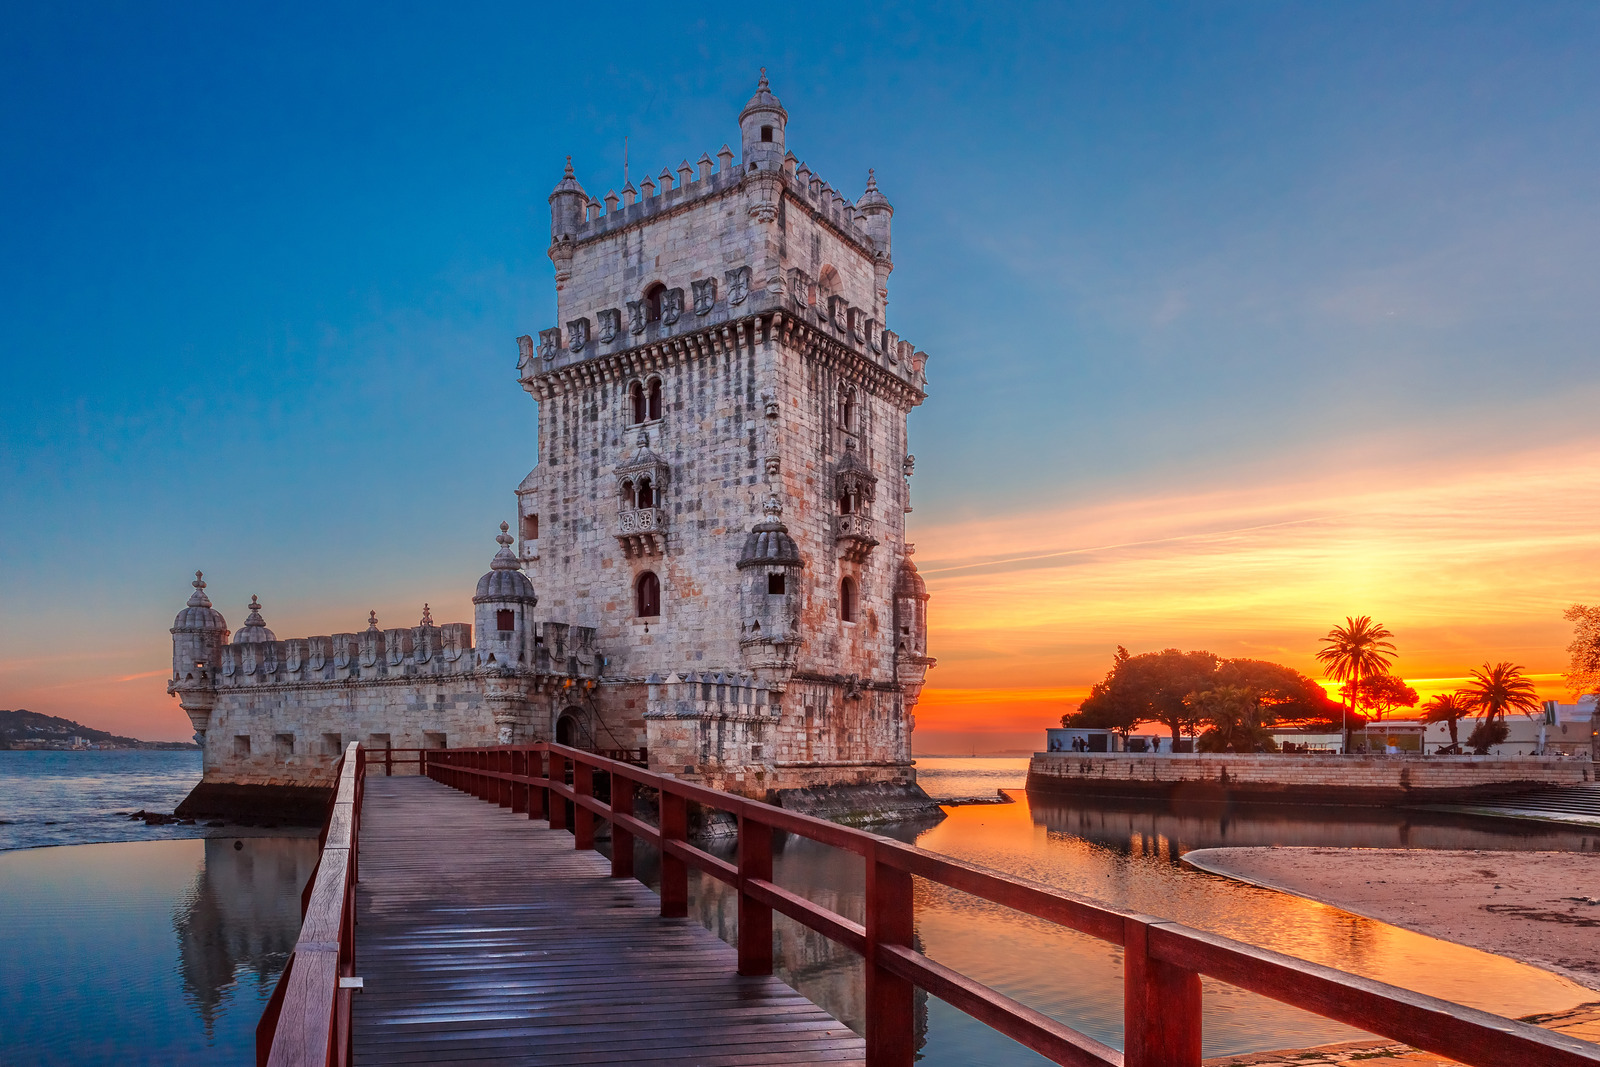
(241, 744)
(775, 584)
(284, 744)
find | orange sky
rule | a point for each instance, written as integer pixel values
(1465, 563)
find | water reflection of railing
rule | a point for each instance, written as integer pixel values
(1163, 961)
(316, 986)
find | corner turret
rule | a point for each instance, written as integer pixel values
(503, 610)
(198, 634)
(875, 212)
(769, 593)
(568, 205)
(761, 128)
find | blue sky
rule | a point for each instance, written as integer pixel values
(263, 269)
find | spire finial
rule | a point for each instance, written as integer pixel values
(372, 620)
(644, 439)
(872, 180)
(505, 559)
(505, 537)
(762, 84)
(568, 173)
(198, 598)
(773, 508)
(427, 616)
(199, 580)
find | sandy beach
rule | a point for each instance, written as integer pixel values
(1542, 908)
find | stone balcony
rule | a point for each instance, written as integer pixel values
(854, 536)
(642, 531)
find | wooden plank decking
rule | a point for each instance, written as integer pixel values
(486, 938)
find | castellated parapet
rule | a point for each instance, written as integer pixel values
(719, 506)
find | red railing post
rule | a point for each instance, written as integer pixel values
(582, 817)
(891, 1037)
(519, 790)
(558, 803)
(502, 764)
(674, 872)
(388, 762)
(755, 919)
(621, 840)
(1160, 1004)
(538, 795)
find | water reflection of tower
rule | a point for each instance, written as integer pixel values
(240, 919)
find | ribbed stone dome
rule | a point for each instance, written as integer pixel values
(763, 100)
(769, 543)
(199, 614)
(254, 631)
(505, 580)
(909, 585)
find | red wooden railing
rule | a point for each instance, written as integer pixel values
(1163, 960)
(307, 1021)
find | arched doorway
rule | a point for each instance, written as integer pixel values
(569, 730)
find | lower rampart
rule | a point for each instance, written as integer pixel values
(1376, 780)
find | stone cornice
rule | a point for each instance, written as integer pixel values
(732, 337)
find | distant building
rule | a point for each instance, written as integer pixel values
(709, 560)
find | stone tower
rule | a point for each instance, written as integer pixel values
(723, 469)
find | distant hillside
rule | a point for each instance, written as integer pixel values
(30, 729)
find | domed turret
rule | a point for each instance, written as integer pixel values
(199, 616)
(254, 630)
(504, 606)
(770, 593)
(877, 212)
(761, 126)
(910, 611)
(567, 203)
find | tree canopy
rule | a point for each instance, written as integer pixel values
(1496, 690)
(1383, 693)
(1583, 676)
(1184, 690)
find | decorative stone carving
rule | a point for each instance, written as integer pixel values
(771, 404)
(908, 466)
(705, 295)
(800, 287)
(671, 306)
(773, 464)
(839, 313)
(549, 341)
(858, 325)
(578, 334)
(738, 285)
(890, 343)
(610, 325)
(636, 316)
(524, 352)
(875, 335)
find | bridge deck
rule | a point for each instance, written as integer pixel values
(485, 937)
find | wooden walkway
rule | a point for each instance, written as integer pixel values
(484, 937)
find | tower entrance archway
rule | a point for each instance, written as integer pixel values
(570, 730)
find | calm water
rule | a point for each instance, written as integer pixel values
(162, 950)
(1129, 856)
(157, 947)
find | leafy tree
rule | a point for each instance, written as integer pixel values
(1352, 652)
(1238, 720)
(1282, 691)
(1486, 734)
(1149, 686)
(1584, 674)
(1499, 689)
(1384, 693)
(1448, 708)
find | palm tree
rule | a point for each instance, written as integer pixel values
(1447, 708)
(1359, 649)
(1499, 689)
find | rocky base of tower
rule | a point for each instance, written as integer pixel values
(866, 804)
(293, 805)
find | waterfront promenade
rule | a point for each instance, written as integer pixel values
(487, 936)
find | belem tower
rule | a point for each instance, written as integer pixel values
(709, 560)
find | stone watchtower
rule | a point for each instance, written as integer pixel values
(723, 471)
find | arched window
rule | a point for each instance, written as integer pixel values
(847, 600)
(652, 302)
(847, 409)
(653, 404)
(505, 619)
(646, 494)
(847, 503)
(630, 498)
(636, 402)
(647, 595)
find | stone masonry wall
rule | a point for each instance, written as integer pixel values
(1331, 779)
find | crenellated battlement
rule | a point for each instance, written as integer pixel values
(734, 697)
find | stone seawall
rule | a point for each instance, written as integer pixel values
(1365, 780)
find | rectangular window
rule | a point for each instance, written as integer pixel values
(378, 742)
(431, 739)
(505, 619)
(775, 584)
(332, 745)
(530, 527)
(241, 744)
(284, 744)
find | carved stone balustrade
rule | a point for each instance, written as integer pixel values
(854, 536)
(642, 531)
